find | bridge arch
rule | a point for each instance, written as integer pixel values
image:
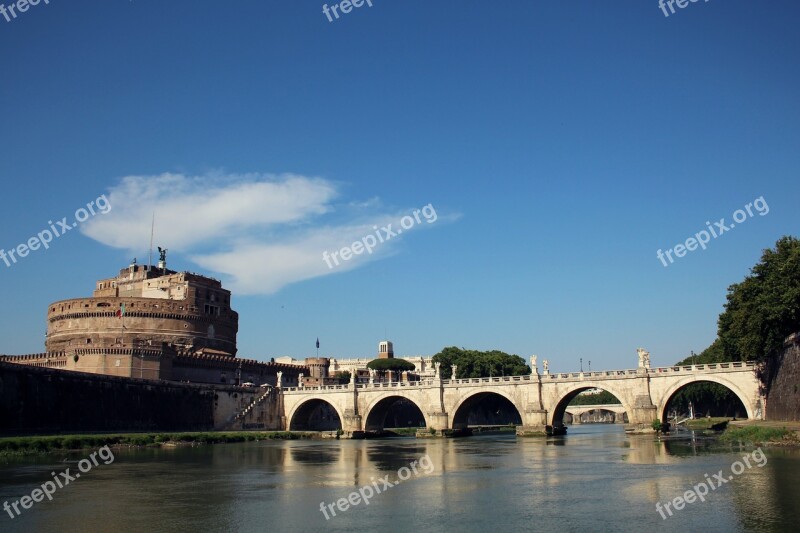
(465, 405)
(561, 406)
(378, 409)
(676, 387)
(305, 413)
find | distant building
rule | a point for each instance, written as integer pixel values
(423, 366)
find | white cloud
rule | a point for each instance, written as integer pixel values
(192, 210)
(261, 232)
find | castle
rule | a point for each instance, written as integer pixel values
(154, 323)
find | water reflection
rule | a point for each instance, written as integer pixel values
(595, 478)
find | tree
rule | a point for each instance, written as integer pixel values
(713, 354)
(476, 364)
(763, 309)
(760, 313)
(705, 397)
(395, 365)
(343, 376)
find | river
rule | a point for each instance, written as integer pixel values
(594, 479)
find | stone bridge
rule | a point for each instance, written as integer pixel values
(540, 400)
(577, 411)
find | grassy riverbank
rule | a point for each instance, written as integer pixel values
(60, 443)
(757, 434)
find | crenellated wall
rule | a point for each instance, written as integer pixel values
(163, 363)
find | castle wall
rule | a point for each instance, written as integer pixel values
(42, 400)
(164, 364)
(93, 322)
(122, 362)
(783, 397)
(216, 369)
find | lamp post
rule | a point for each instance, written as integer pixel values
(581, 365)
(693, 358)
(590, 367)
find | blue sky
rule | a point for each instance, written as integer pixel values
(561, 145)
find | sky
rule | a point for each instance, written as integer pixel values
(536, 156)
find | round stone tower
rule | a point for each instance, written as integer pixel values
(318, 367)
(147, 306)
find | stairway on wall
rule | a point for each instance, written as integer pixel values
(237, 420)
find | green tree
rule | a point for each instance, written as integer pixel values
(763, 309)
(392, 365)
(760, 313)
(395, 365)
(707, 398)
(477, 364)
(713, 354)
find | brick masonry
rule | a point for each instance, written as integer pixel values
(783, 398)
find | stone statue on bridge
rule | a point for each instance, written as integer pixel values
(279, 374)
(436, 374)
(644, 358)
(534, 369)
(453, 375)
(546, 366)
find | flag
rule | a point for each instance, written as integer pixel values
(317, 343)
(121, 311)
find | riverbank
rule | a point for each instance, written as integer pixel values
(37, 445)
(763, 432)
(712, 423)
(749, 432)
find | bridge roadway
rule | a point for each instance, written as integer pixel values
(540, 399)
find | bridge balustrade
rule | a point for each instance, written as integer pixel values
(571, 376)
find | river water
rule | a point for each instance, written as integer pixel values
(594, 479)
